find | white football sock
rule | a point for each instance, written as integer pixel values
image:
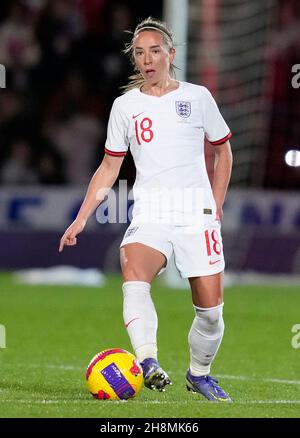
(140, 318)
(205, 338)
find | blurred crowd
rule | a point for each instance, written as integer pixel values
(64, 67)
(63, 70)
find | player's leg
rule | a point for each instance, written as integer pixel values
(206, 335)
(140, 264)
(199, 257)
(207, 291)
(207, 330)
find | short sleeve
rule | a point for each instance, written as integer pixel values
(215, 127)
(116, 142)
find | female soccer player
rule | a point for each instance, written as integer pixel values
(164, 122)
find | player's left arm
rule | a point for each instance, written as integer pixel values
(222, 173)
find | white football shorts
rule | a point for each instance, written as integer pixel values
(198, 250)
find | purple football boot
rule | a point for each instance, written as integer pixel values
(154, 376)
(207, 386)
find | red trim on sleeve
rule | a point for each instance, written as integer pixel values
(115, 154)
(222, 140)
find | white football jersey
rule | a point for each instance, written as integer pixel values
(166, 139)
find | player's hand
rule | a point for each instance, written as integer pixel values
(219, 214)
(69, 238)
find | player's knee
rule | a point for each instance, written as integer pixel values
(210, 320)
(133, 272)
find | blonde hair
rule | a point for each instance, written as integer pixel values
(136, 80)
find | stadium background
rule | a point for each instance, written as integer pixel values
(64, 67)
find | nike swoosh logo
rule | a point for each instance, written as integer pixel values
(126, 325)
(135, 116)
(213, 263)
(218, 398)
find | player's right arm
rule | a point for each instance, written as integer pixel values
(102, 180)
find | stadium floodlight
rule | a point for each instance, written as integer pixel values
(292, 158)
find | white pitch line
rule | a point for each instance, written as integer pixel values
(64, 367)
(273, 402)
(67, 367)
(221, 376)
(248, 378)
(151, 402)
(54, 367)
(264, 379)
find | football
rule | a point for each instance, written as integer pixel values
(114, 374)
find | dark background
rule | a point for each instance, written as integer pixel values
(65, 66)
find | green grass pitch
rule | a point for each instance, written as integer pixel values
(53, 332)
